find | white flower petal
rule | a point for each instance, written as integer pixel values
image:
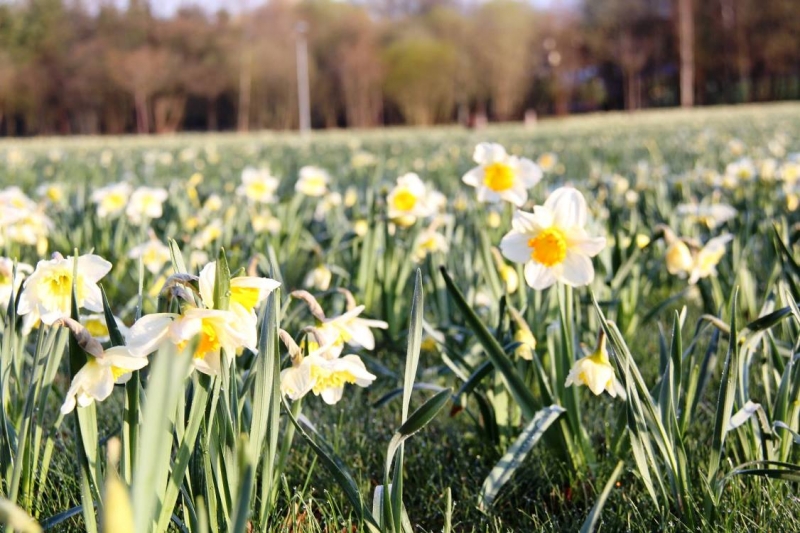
(576, 270)
(538, 276)
(514, 247)
(568, 207)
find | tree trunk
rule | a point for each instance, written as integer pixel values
(245, 82)
(142, 120)
(686, 39)
(211, 114)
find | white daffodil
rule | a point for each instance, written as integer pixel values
(96, 379)
(47, 293)
(709, 256)
(52, 192)
(154, 254)
(321, 372)
(428, 241)
(408, 200)
(500, 176)
(9, 280)
(547, 161)
(246, 292)
(313, 181)
(146, 203)
(210, 233)
(318, 278)
(112, 199)
(712, 215)
(685, 257)
(258, 185)
(552, 241)
(595, 371)
(214, 331)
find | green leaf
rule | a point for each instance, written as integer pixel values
(515, 384)
(594, 515)
(517, 452)
(725, 399)
(222, 283)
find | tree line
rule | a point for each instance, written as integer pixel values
(68, 69)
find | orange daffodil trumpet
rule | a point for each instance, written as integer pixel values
(552, 241)
(500, 176)
(215, 331)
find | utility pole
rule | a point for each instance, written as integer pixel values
(303, 97)
(686, 41)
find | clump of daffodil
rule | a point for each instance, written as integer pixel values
(686, 257)
(214, 331)
(595, 371)
(47, 292)
(408, 201)
(313, 181)
(321, 371)
(112, 199)
(501, 176)
(552, 241)
(103, 369)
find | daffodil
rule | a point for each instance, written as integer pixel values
(408, 200)
(146, 203)
(313, 181)
(103, 369)
(595, 371)
(214, 331)
(552, 241)
(323, 372)
(712, 215)
(708, 257)
(9, 280)
(246, 292)
(318, 278)
(547, 161)
(347, 328)
(112, 199)
(501, 176)
(428, 241)
(47, 293)
(258, 185)
(685, 257)
(154, 254)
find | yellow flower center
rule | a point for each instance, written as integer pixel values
(404, 200)
(118, 372)
(326, 379)
(54, 194)
(114, 201)
(209, 341)
(549, 247)
(96, 327)
(247, 297)
(314, 182)
(58, 286)
(258, 189)
(498, 177)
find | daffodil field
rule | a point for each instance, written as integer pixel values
(591, 324)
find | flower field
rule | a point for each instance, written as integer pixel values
(587, 325)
